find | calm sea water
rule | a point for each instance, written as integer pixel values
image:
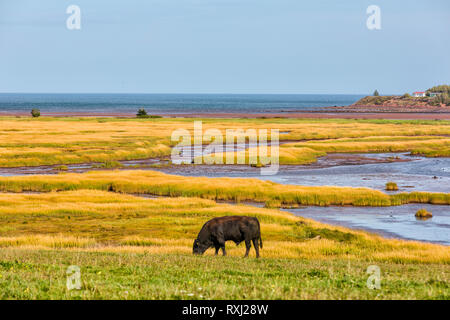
(171, 103)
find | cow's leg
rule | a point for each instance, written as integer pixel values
(217, 249)
(248, 245)
(256, 245)
(223, 249)
(221, 242)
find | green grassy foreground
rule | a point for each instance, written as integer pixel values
(131, 247)
(31, 274)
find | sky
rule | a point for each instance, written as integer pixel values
(224, 46)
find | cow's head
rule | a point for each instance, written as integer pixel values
(199, 247)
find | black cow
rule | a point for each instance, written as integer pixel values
(216, 231)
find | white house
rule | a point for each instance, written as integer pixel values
(419, 94)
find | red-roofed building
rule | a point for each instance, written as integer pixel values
(419, 94)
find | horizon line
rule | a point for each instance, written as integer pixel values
(188, 93)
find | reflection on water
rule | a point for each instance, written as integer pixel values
(392, 222)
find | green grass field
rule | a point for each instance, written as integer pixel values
(31, 274)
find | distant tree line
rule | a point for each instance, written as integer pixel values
(444, 88)
(443, 97)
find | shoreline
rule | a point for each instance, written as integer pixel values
(335, 114)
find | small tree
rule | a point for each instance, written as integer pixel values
(375, 93)
(142, 113)
(35, 113)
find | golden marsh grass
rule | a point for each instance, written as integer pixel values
(229, 189)
(99, 221)
(49, 141)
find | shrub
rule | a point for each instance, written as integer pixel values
(35, 113)
(391, 186)
(378, 101)
(375, 93)
(442, 98)
(423, 213)
(142, 113)
(406, 96)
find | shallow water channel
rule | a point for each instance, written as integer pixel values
(391, 222)
(409, 172)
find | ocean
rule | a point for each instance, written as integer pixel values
(170, 103)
